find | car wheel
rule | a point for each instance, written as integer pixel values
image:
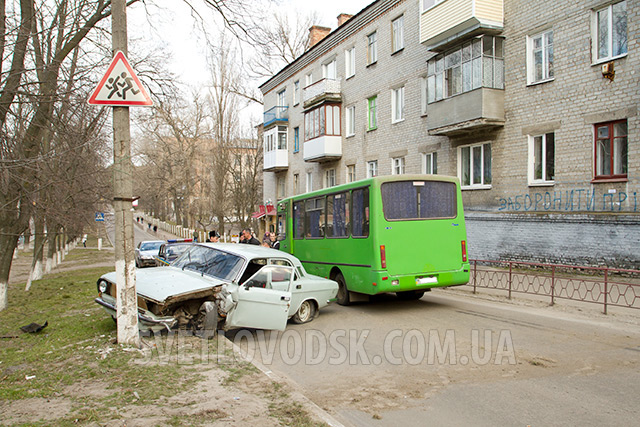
(137, 264)
(343, 293)
(410, 295)
(305, 313)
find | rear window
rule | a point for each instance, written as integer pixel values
(419, 200)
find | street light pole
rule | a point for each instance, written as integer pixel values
(127, 302)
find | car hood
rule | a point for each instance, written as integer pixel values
(160, 283)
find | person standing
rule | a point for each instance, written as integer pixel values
(247, 238)
(275, 243)
(214, 237)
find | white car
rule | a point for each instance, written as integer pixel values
(224, 285)
(146, 252)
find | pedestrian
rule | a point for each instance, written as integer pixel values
(214, 237)
(195, 236)
(84, 240)
(155, 228)
(274, 242)
(247, 238)
(266, 239)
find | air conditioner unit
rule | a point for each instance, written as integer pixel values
(608, 70)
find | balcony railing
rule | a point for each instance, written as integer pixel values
(451, 20)
(324, 148)
(321, 91)
(471, 111)
(276, 160)
(276, 114)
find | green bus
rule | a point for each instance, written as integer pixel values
(398, 233)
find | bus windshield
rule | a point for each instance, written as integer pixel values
(402, 200)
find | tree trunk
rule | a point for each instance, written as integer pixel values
(36, 271)
(8, 243)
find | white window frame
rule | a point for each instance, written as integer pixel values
(397, 104)
(296, 183)
(372, 48)
(596, 58)
(397, 34)
(351, 173)
(296, 92)
(397, 166)
(350, 119)
(372, 168)
(430, 163)
(546, 50)
(482, 185)
(308, 79)
(330, 69)
(282, 98)
(309, 183)
(280, 188)
(424, 96)
(372, 113)
(428, 4)
(532, 160)
(330, 178)
(350, 62)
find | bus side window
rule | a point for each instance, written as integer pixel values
(298, 220)
(360, 216)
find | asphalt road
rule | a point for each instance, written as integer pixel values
(453, 360)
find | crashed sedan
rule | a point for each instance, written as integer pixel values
(226, 286)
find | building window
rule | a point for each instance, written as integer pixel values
(296, 183)
(397, 166)
(309, 181)
(280, 193)
(351, 173)
(282, 137)
(372, 48)
(308, 79)
(282, 101)
(474, 64)
(540, 57)
(329, 70)
(610, 31)
(372, 116)
(542, 159)
(428, 4)
(350, 62)
(611, 150)
(372, 169)
(397, 34)
(351, 120)
(430, 163)
(474, 166)
(330, 178)
(296, 139)
(296, 92)
(424, 96)
(397, 104)
(324, 120)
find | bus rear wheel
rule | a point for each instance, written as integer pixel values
(343, 293)
(410, 295)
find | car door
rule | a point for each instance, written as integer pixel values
(258, 304)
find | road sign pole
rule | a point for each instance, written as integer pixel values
(127, 304)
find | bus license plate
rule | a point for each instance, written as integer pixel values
(426, 280)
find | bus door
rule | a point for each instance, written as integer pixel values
(282, 232)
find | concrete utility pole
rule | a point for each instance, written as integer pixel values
(127, 300)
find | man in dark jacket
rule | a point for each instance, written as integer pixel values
(248, 238)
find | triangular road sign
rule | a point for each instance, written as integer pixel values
(120, 86)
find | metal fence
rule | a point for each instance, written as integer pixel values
(609, 287)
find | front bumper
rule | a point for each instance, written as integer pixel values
(147, 321)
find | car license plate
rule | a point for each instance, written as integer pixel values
(426, 280)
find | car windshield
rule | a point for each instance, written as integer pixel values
(150, 246)
(210, 261)
(175, 250)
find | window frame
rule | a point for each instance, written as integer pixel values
(612, 139)
(397, 34)
(372, 168)
(330, 67)
(350, 62)
(296, 139)
(595, 53)
(330, 178)
(398, 165)
(372, 113)
(547, 57)
(483, 185)
(350, 119)
(533, 181)
(397, 111)
(351, 173)
(309, 182)
(372, 48)
(430, 159)
(296, 92)
(281, 100)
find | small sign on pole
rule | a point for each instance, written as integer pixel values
(120, 87)
(99, 216)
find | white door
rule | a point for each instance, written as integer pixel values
(259, 305)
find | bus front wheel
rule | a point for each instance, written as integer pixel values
(343, 293)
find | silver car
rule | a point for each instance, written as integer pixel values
(146, 252)
(224, 285)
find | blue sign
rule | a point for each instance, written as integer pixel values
(99, 216)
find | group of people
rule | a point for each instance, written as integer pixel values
(248, 238)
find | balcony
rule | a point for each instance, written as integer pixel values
(450, 21)
(324, 148)
(278, 114)
(276, 160)
(479, 109)
(325, 90)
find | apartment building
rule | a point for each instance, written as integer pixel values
(533, 106)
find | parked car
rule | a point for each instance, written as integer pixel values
(224, 285)
(146, 253)
(171, 250)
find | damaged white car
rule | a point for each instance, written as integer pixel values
(224, 285)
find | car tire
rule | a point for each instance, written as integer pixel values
(410, 295)
(306, 312)
(343, 293)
